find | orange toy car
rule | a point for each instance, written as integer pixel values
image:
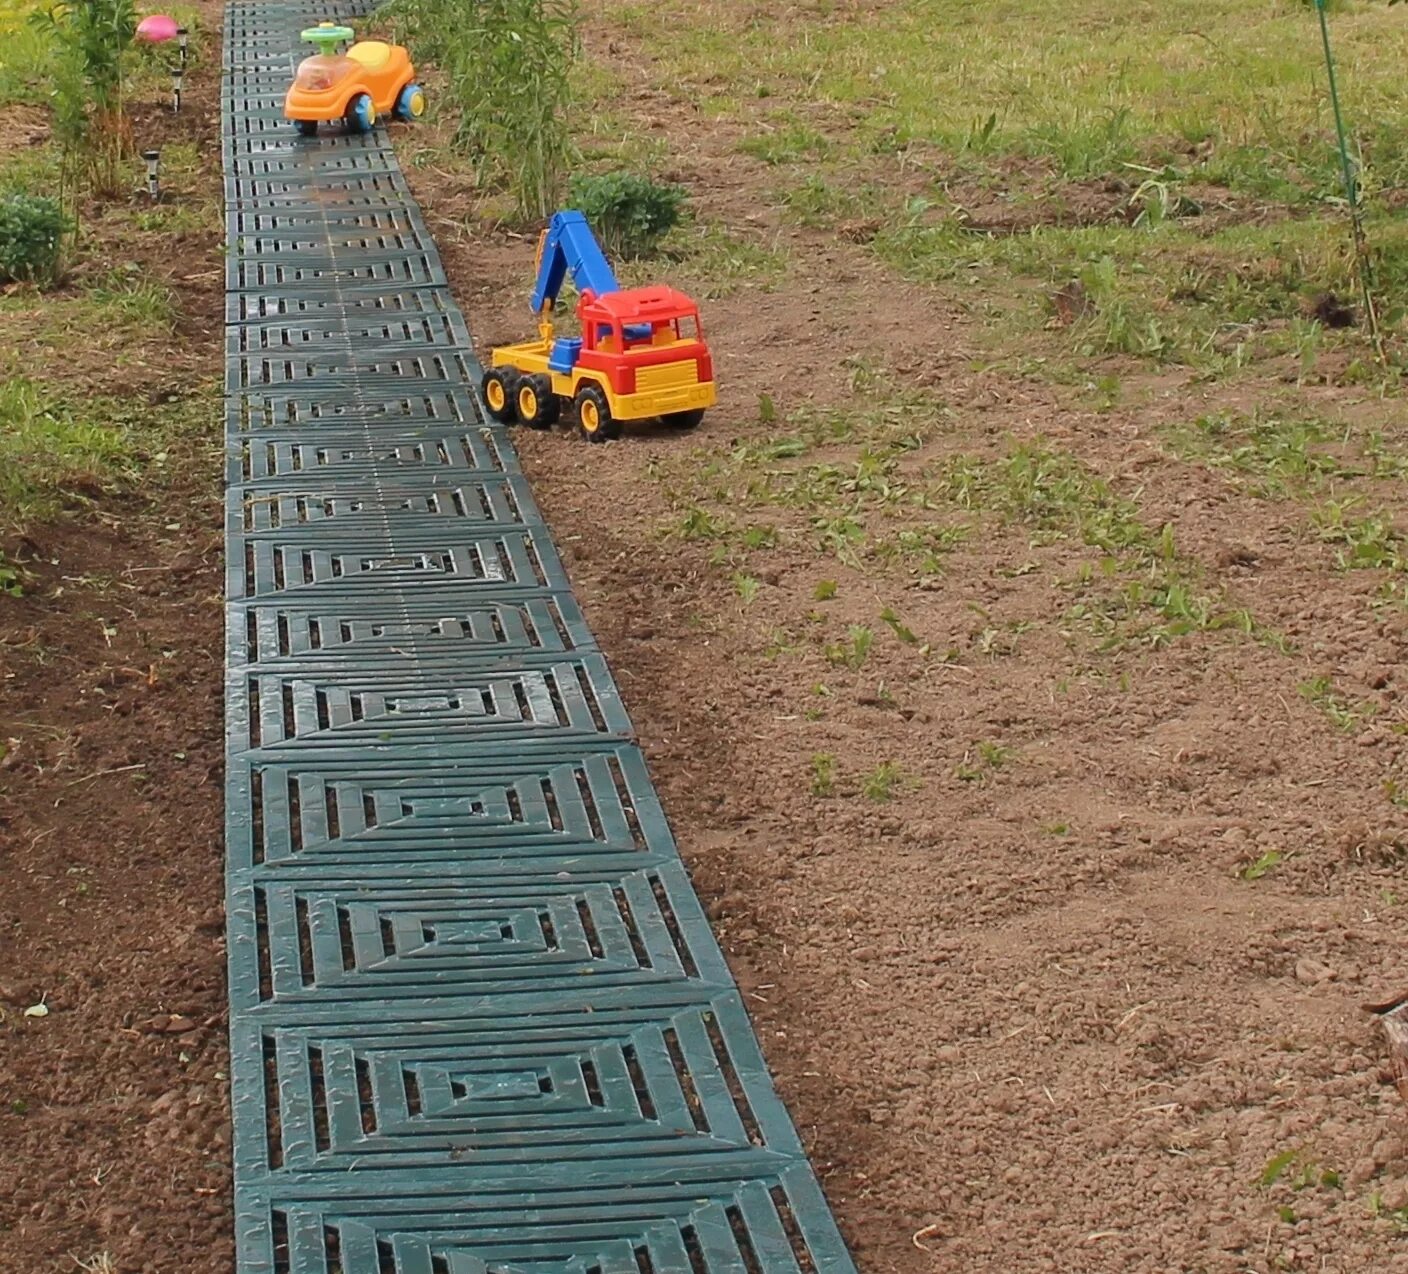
(370, 79)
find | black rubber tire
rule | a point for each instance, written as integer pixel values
(306, 127)
(353, 122)
(537, 405)
(506, 381)
(591, 406)
(684, 419)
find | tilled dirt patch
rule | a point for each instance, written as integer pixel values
(113, 1057)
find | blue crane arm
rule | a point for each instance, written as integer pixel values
(570, 245)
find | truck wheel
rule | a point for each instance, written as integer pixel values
(306, 127)
(684, 419)
(594, 415)
(497, 388)
(538, 407)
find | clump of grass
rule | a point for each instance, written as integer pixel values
(883, 782)
(791, 142)
(719, 262)
(510, 66)
(124, 296)
(47, 449)
(823, 767)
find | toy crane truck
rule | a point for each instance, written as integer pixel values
(641, 354)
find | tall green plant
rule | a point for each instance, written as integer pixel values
(93, 41)
(509, 66)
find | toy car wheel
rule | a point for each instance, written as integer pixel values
(537, 404)
(411, 102)
(497, 388)
(594, 415)
(684, 419)
(306, 127)
(361, 114)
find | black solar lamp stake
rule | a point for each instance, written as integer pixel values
(176, 74)
(153, 159)
(183, 38)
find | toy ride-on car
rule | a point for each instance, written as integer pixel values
(370, 79)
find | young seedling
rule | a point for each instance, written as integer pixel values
(852, 652)
(989, 757)
(882, 782)
(897, 627)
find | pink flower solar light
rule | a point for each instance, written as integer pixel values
(157, 28)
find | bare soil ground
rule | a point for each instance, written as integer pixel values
(113, 1060)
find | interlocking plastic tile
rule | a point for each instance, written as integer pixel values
(331, 271)
(257, 307)
(244, 190)
(434, 712)
(391, 505)
(505, 564)
(309, 406)
(433, 628)
(342, 329)
(378, 818)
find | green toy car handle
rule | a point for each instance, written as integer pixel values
(327, 37)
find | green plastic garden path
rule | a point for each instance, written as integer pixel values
(479, 1024)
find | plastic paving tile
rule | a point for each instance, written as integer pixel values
(479, 1022)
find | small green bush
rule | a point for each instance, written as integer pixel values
(32, 229)
(629, 213)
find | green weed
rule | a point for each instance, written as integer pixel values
(1367, 543)
(719, 262)
(981, 760)
(1268, 862)
(823, 766)
(883, 782)
(898, 627)
(12, 580)
(125, 297)
(854, 651)
(1343, 713)
(1279, 455)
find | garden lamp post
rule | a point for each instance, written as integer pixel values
(176, 75)
(153, 161)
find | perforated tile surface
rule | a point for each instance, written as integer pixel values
(479, 1022)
